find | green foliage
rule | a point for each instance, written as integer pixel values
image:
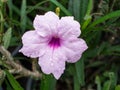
(76, 83)
(61, 7)
(100, 27)
(23, 15)
(117, 87)
(48, 82)
(79, 66)
(7, 38)
(98, 82)
(88, 17)
(13, 82)
(111, 83)
(78, 8)
(106, 17)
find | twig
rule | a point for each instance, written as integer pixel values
(17, 68)
(100, 4)
(34, 64)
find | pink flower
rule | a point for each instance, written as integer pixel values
(54, 41)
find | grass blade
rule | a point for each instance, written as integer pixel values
(10, 5)
(37, 5)
(88, 17)
(61, 7)
(78, 8)
(79, 66)
(106, 17)
(7, 38)
(98, 82)
(76, 83)
(48, 82)
(117, 87)
(13, 82)
(23, 16)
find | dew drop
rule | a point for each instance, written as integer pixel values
(51, 64)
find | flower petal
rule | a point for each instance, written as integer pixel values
(46, 24)
(33, 44)
(53, 62)
(68, 26)
(74, 49)
(33, 51)
(31, 37)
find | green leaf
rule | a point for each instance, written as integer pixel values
(61, 7)
(117, 87)
(36, 6)
(78, 8)
(7, 38)
(16, 10)
(88, 17)
(106, 17)
(115, 48)
(102, 47)
(79, 66)
(23, 16)
(107, 85)
(10, 5)
(8, 86)
(76, 83)
(90, 7)
(48, 82)
(95, 64)
(98, 82)
(113, 80)
(111, 83)
(12, 81)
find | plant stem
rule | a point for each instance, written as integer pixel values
(2, 21)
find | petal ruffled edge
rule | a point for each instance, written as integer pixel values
(33, 44)
(74, 49)
(46, 24)
(67, 26)
(53, 63)
(33, 51)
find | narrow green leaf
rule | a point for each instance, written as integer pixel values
(78, 8)
(113, 80)
(106, 85)
(48, 82)
(115, 48)
(111, 83)
(61, 7)
(23, 16)
(36, 6)
(7, 38)
(10, 5)
(76, 83)
(106, 17)
(88, 17)
(102, 47)
(87, 21)
(79, 66)
(117, 87)
(95, 64)
(16, 10)
(12, 81)
(98, 82)
(8, 86)
(90, 7)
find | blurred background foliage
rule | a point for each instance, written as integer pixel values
(99, 67)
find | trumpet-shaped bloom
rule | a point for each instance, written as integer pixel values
(54, 41)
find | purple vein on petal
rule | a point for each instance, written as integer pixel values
(54, 42)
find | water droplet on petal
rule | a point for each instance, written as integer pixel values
(51, 64)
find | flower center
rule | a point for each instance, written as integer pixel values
(54, 42)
